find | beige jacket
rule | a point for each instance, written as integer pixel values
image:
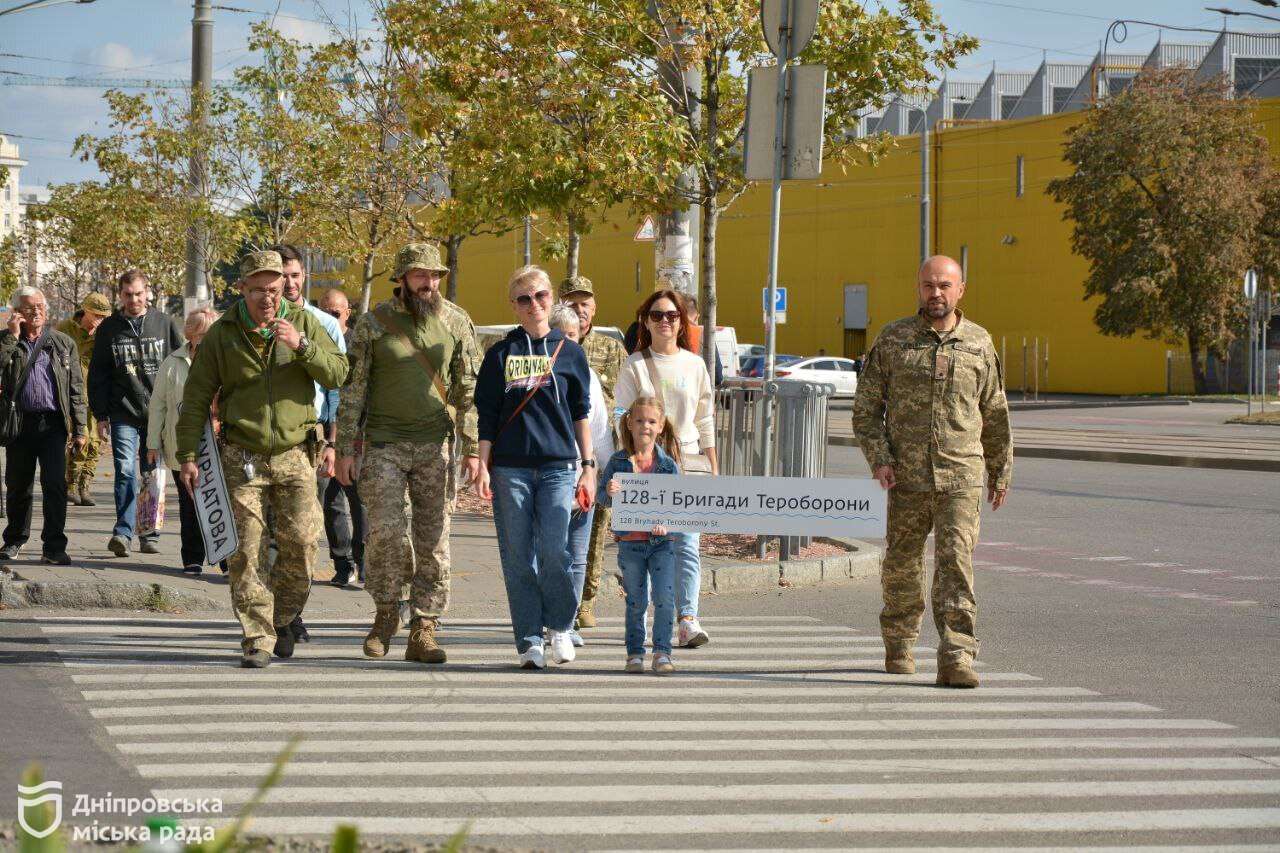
(162, 411)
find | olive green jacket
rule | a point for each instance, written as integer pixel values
(266, 401)
(932, 405)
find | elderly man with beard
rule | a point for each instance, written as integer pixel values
(413, 371)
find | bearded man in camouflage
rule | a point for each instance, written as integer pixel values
(413, 371)
(933, 422)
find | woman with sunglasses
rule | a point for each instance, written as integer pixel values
(533, 401)
(665, 367)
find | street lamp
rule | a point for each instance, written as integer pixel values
(39, 4)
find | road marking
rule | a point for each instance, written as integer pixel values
(781, 742)
(823, 726)
(703, 767)
(1163, 820)
(584, 794)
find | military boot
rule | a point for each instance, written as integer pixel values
(898, 659)
(957, 672)
(385, 625)
(586, 614)
(73, 493)
(422, 643)
(82, 488)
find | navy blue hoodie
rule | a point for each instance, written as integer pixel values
(543, 431)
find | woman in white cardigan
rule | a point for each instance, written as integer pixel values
(162, 422)
(663, 366)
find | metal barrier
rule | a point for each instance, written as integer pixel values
(799, 437)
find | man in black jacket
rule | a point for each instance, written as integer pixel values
(40, 373)
(127, 351)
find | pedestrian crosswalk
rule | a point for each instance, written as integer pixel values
(781, 734)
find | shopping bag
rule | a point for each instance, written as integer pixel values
(151, 501)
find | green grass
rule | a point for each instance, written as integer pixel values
(1257, 418)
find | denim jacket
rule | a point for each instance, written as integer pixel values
(620, 463)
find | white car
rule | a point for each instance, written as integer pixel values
(824, 368)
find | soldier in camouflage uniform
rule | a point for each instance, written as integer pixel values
(413, 372)
(82, 461)
(605, 356)
(932, 420)
(261, 360)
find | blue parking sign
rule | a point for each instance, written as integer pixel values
(779, 304)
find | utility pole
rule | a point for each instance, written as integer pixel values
(196, 291)
(675, 258)
(925, 248)
(528, 239)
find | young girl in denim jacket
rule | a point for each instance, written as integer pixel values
(649, 446)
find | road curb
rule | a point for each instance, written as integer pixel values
(1030, 406)
(18, 594)
(718, 579)
(1124, 456)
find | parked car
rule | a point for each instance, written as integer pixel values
(754, 366)
(839, 372)
(747, 352)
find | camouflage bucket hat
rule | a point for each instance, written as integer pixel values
(418, 256)
(96, 303)
(264, 261)
(576, 284)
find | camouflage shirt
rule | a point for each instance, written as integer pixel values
(403, 409)
(605, 355)
(932, 405)
(84, 341)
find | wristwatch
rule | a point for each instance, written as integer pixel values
(588, 463)
(303, 341)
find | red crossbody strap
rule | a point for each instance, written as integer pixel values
(532, 391)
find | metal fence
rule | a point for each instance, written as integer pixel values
(1026, 364)
(1222, 375)
(799, 446)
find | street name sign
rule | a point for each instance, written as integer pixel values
(770, 506)
(213, 502)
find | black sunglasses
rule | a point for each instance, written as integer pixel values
(672, 317)
(337, 315)
(524, 300)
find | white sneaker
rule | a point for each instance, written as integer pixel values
(578, 642)
(533, 659)
(691, 635)
(561, 647)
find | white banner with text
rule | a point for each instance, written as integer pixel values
(767, 506)
(213, 503)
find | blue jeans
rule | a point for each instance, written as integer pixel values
(579, 543)
(688, 572)
(531, 514)
(127, 441)
(644, 563)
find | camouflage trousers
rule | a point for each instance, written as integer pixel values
(595, 552)
(953, 519)
(422, 559)
(286, 484)
(82, 464)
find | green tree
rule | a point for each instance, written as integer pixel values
(1169, 197)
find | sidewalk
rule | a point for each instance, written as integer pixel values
(1192, 435)
(477, 586)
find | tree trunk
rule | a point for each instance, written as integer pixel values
(366, 291)
(1197, 365)
(575, 247)
(710, 219)
(452, 250)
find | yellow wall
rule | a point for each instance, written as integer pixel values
(862, 227)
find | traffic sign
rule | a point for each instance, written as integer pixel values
(802, 133)
(1250, 284)
(779, 302)
(648, 231)
(802, 18)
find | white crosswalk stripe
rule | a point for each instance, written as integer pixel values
(789, 743)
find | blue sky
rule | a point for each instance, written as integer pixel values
(151, 38)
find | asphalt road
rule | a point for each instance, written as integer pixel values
(1130, 619)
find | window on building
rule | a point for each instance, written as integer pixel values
(7, 220)
(1061, 97)
(1020, 177)
(1249, 72)
(1007, 103)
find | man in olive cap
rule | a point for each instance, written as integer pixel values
(261, 360)
(414, 361)
(82, 460)
(605, 355)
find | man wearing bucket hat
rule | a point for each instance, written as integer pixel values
(82, 460)
(261, 360)
(605, 356)
(413, 372)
